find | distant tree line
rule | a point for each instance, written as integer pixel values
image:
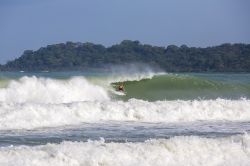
(78, 56)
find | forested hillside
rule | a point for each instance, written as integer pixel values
(77, 56)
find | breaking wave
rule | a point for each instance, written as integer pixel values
(35, 102)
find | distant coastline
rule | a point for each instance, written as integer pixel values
(81, 56)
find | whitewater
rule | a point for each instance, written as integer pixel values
(174, 151)
(78, 118)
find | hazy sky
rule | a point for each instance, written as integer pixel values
(31, 24)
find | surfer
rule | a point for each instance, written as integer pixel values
(121, 88)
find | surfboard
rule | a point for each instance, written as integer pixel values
(121, 93)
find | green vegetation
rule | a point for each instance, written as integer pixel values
(77, 56)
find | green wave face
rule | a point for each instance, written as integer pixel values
(173, 87)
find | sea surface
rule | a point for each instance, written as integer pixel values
(79, 119)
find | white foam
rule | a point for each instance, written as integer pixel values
(176, 151)
(34, 115)
(45, 90)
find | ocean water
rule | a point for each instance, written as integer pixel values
(78, 118)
